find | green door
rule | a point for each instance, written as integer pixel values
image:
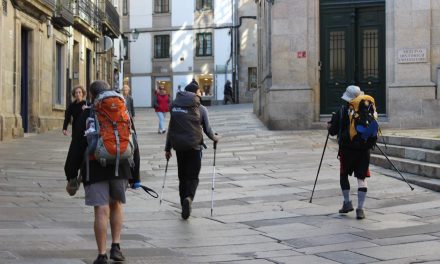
(352, 52)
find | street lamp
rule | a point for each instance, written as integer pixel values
(134, 35)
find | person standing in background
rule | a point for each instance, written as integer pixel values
(128, 100)
(161, 104)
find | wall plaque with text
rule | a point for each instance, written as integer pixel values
(412, 56)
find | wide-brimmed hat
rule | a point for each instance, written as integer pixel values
(351, 92)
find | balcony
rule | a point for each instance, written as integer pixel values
(40, 9)
(86, 18)
(110, 18)
(63, 15)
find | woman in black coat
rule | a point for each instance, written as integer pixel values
(73, 112)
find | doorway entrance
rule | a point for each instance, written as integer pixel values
(352, 51)
(25, 73)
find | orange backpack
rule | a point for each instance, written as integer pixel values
(113, 138)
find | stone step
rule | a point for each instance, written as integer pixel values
(418, 154)
(424, 143)
(425, 182)
(421, 168)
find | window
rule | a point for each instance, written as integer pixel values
(203, 4)
(59, 77)
(252, 78)
(204, 44)
(5, 7)
(125, 7)
(161, 6)
(162, 46)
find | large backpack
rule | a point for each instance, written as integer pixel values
(363, 128)
(185, 130)
(113, 140)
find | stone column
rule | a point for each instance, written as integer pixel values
(290, 99)
(409, 78)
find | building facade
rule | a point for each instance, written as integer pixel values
(47, 47)
(310, 51)
(184, 40)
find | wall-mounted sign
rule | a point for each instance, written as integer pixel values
(412, 56)
(301, 54)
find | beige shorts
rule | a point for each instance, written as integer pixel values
(102, 193)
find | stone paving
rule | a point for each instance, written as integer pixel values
(262, 212)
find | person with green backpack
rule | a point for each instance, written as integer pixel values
(356, 126)
(188, 119)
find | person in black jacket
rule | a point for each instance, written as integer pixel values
(72, 114)
(103, 189)
(352, 156)
(189, 161)
(228, 93)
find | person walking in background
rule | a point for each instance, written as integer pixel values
(188, 118)
(228, 93)
(71, 115)
(128, 100)
(104, 183)
(161, 104)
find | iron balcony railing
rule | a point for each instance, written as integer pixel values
(63, 15)
(87, 11)
(109, 16)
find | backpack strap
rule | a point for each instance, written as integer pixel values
(118, 147)
(340, 124)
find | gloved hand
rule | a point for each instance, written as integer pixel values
(136, 185)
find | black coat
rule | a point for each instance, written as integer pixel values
(73, 112)
(97, 172)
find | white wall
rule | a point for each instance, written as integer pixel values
(140, 54)
(181, 80)
(182, 12)
(141, 91)
(222, 12)
(141, 14)
(182, 46)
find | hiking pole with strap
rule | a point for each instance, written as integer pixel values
(319, 168)
(151, 192)
(383, 153)
(213, 179)
(163, 184)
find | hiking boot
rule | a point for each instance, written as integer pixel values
(115, 253)
(72, 186)
(186, 207)
(101, 259)
(360, 214)
(346, 207)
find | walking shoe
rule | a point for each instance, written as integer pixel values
(101, 259)
(163, 131)
(346, 207)
(115, 253)
(73, 186)
(360, 214)
(186, 208)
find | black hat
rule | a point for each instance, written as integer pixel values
(192, 88)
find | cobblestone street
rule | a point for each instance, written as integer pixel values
(262, 212)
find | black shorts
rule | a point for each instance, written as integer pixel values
(357, 161)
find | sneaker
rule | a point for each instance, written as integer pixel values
(360, 214)
(72, 186)
(115, 253)
(346, 207)
(186, 208)
(164, 131)
(101, 259)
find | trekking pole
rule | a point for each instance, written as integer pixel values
(319, 168)
(412, 188)
(163, 184)
(213, 179)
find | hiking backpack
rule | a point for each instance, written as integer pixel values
(363, 126)
(185, 130)
(109, 134)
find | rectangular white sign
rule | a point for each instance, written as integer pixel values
(412, 56)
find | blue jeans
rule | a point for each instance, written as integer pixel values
(161, 116)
